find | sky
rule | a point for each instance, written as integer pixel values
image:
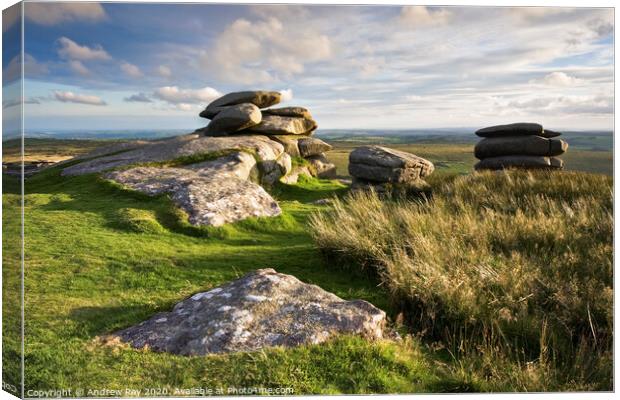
(156, 66)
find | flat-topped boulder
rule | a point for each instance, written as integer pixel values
(260, 310)
(234, 118)
(163, 151)
(516, 129)
(300, 112)
(382, 164)
(531, 145)
(278, 125)
(523, 162)
(212, 193)
(260, 98)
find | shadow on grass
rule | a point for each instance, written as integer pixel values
(97, 321)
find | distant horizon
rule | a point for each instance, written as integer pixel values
(85, 134)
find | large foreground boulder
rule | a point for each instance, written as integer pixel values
(260, 98)
(382, 164)
(523, 162)
(531, 145)
(262, 309)
(516, 129)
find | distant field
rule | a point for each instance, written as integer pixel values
(48, 149)
(450, 153)
(460, 157)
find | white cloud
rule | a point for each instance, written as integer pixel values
(264, 51)
(164, 71)
(422, 16)
(68, 49)
(286, 94)
(176, 96)
(56, 13)
(70, 97)
(138, 98)
(131, 70)
(79, 68)
(558, 79)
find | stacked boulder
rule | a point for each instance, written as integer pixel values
(247, 113)
(388, 171)
(519, 145)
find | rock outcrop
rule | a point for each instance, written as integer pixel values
(260, 310)
(215, 174)
(385, 169)
(240, 114)
(519, 145)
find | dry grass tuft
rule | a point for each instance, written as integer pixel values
(514, 266)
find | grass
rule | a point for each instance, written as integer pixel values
(100, 258)
(512, 272)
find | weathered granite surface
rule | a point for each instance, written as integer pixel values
(531, 145)
(264, 148)
(382, 164)
(262, 309)
(211, 193)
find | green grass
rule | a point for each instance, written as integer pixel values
(511, 271)
(100, 258)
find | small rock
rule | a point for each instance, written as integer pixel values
(312, 146)
(293, 176)
(324, 169)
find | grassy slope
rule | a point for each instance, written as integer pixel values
(88, 274)
(11, 287)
